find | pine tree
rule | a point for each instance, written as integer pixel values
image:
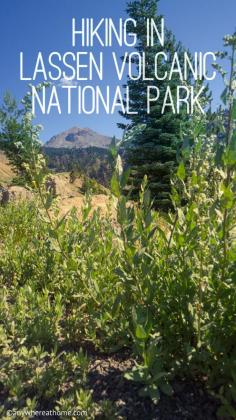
(153, 151)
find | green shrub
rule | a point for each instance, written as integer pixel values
(91, 186)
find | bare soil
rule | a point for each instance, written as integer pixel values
(190, 400)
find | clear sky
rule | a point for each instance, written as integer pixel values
(45, 25)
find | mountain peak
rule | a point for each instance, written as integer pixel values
(78, 138)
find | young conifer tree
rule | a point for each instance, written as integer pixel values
(153, 152)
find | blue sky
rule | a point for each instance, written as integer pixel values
(45, 25)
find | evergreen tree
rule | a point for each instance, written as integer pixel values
(153, 151)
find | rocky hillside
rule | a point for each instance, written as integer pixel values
(78, 138)
(70, 194)
(93, 161)
(6, 172)
(82, 151)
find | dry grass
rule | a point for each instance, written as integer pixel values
(6, 172)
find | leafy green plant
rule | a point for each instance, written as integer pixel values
(150, 373)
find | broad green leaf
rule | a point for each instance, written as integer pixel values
(181, 173)
(140, 332)
(135, 375)
(115, 186)
(166, 388)
(224, 96)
